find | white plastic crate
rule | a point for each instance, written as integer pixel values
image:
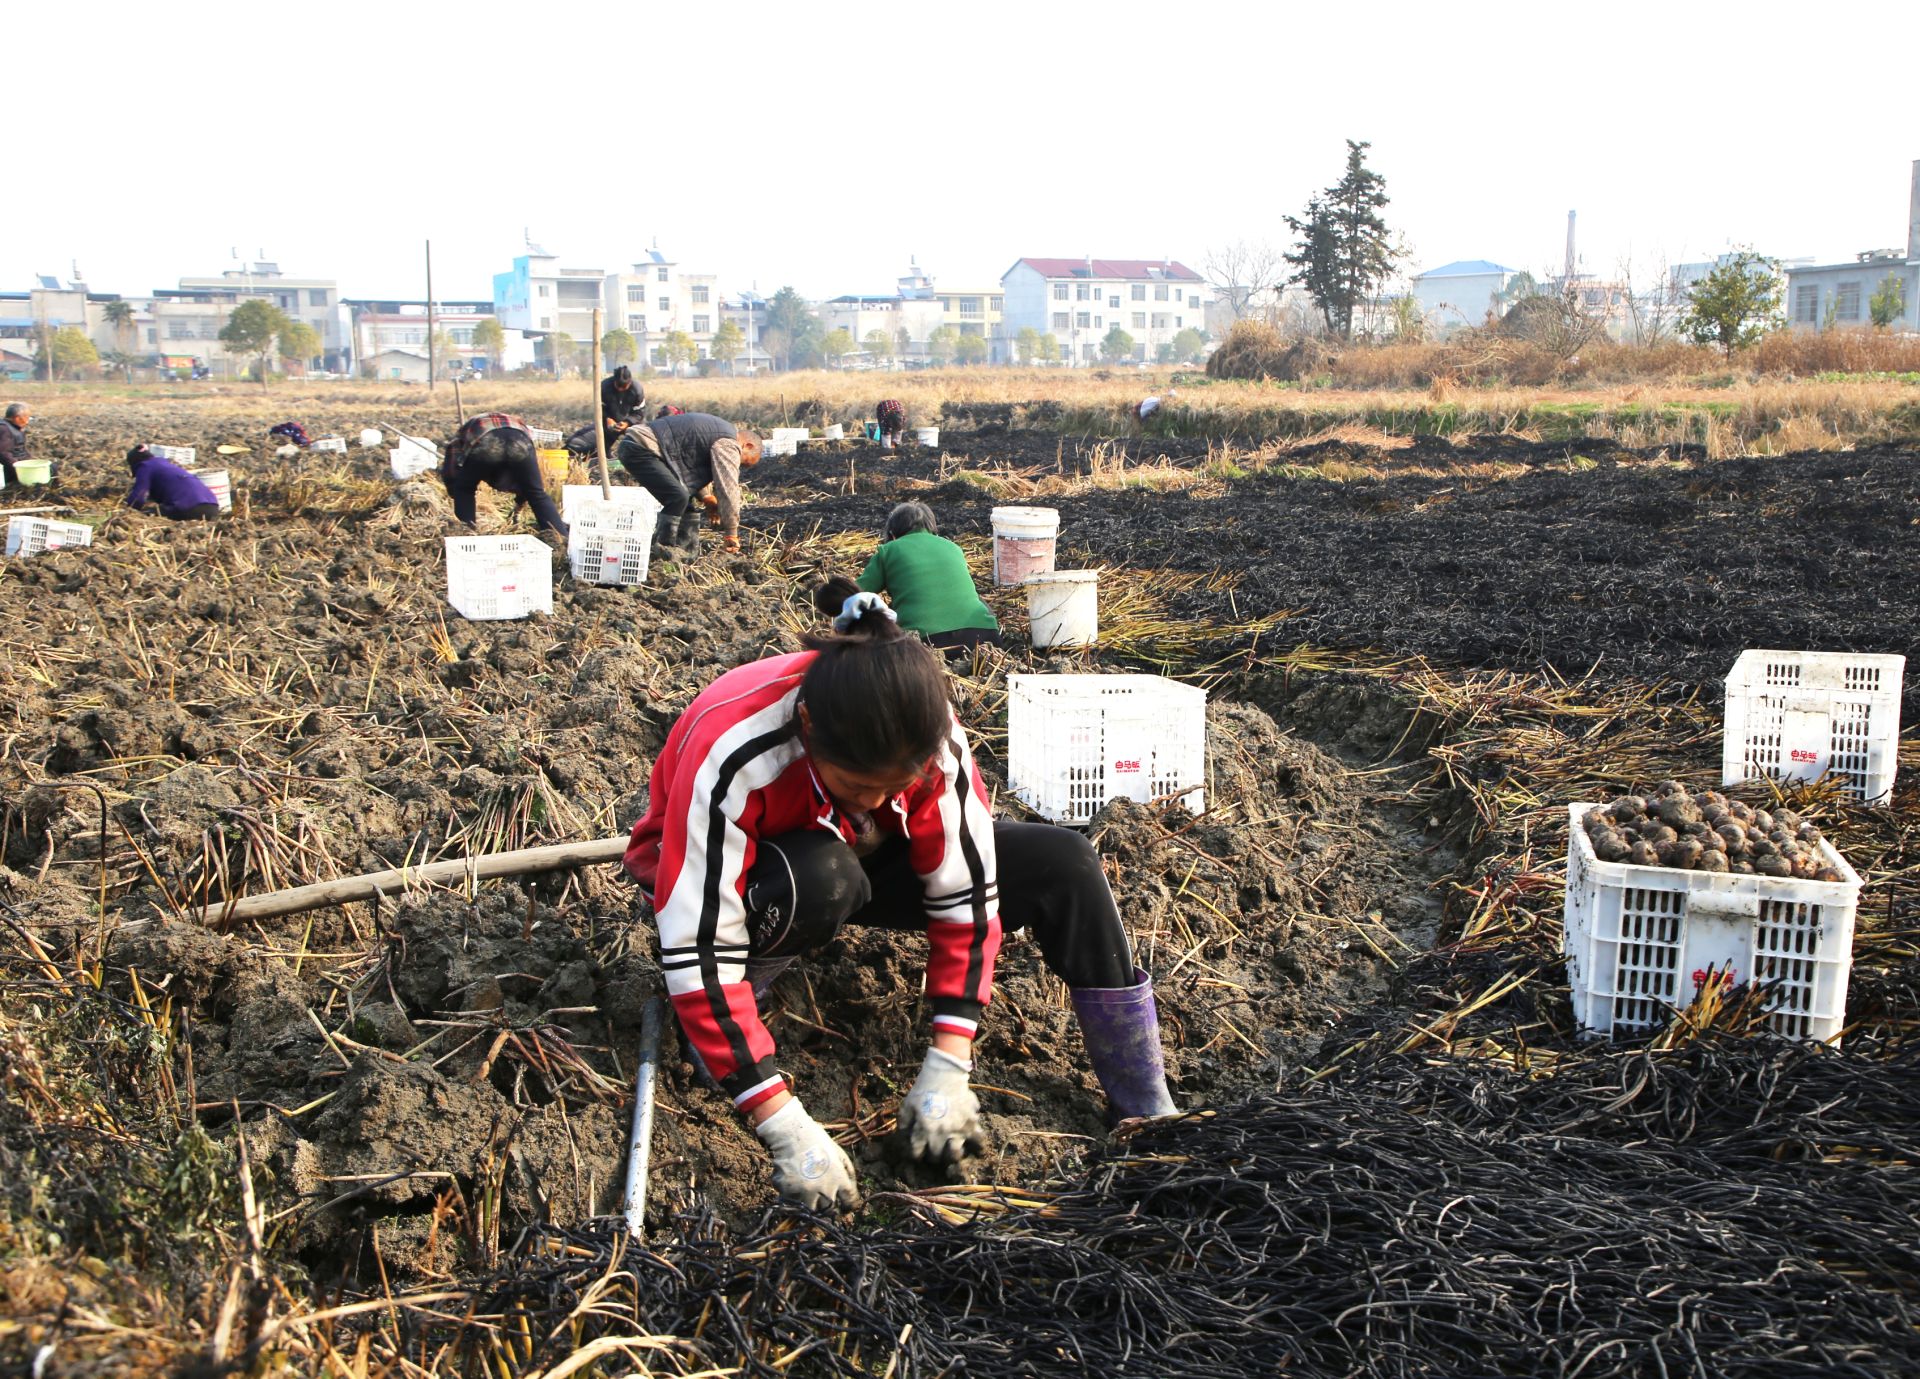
(1076, 741)
(32, 535)
(542, 436)
(577, 501)
(179, 454)
(221, 482)
(1800, 715)
(409, 459)
(1639, 940)
(607, 554)
(492, 577)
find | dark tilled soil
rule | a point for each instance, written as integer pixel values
(1636, 571)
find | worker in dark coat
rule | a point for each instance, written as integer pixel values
(674, 457)
(623, 401)
(13, 440)
(497, 449)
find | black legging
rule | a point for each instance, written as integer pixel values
(195, 512)
(521, 478)
(803, 886)
(958, 644)
(656, 476)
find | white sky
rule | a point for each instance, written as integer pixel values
(820, 145)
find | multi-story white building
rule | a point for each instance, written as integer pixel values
(652, 297)
(1078, 301)
(390, 339)
(200, 301)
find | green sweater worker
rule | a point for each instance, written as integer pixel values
(925, 577)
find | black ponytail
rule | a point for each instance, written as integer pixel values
(876, 696)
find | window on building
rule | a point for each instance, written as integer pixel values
(970, 306)
(636, 294)
(636, 325)
(1159, 292)
(1083, 320)
(1846, 302)
(1059, 320)
(1113, 301)
(702, 324)
(660, 273)
(1060, 292)
(666, 305)
(1099, 321)
(1139, 320)
(996, 304)
(1159, 320)
(700, 296)
(1806, 304)
(152, 336)
(316, 296)
(543, 290)
(1179, 322)
(1139, 292)
(546, 323)
(1081, 292)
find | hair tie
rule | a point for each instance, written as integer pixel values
(858, 606)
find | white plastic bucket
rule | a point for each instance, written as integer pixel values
(369, 437)
(834, 433)
(1063, 608)
(220, 481)
(928, 436)
(1023, 541)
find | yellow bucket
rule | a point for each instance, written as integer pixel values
(555, 465)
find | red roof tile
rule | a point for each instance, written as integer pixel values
(1154, 270)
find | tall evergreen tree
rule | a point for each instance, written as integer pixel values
(1343, 250)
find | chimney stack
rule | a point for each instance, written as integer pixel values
(1913, 217)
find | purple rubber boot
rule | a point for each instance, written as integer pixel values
(1121, 1027)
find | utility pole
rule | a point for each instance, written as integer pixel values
(432, 370)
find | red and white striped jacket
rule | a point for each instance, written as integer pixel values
(734, 771)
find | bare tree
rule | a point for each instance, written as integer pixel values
(1653, 312)
(1244, 272)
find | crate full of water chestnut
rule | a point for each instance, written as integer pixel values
(1670, 891)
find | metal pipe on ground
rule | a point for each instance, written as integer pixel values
(640, 1142)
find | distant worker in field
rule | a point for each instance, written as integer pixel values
(925, 577)
(1143, 413)
(673, 458)
(890, 418)
(13, 439)
(497, 449)
(623, 401)
(180, 496)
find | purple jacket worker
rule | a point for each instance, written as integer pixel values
(178, 494)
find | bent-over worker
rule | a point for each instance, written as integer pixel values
(834, 786)
(925, 577)
(497, 449)
(181, 496)
(891, 418)
(673, 458)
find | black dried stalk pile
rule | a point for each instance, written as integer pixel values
(1734, 1207)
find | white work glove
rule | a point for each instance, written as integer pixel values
(808, 1167)
(941, 1116)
